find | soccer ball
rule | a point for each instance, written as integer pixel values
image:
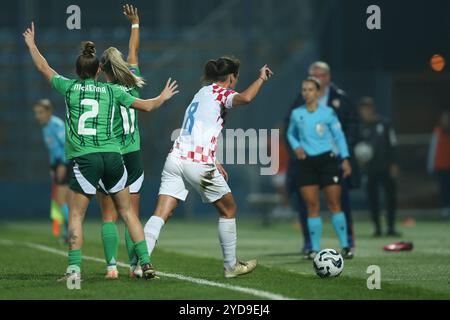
(363, 152)
(328, 263)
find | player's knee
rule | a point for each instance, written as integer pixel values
(313, 207)
(109, 218)
(334, 206)
(229, 212)
(109, 215)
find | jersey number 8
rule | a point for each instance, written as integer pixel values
(189, 124)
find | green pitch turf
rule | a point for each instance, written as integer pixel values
(191, 249)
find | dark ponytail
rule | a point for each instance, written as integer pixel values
(218, 70)
(87, 63)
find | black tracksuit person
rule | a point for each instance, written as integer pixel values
(381, 169)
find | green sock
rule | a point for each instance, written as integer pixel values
(142, 252)
(130, 248)
(75, 258)
(110, 238)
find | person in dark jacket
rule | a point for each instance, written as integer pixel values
(376, 155)
(347, 114)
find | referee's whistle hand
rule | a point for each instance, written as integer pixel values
(300, 153)
(346, 168)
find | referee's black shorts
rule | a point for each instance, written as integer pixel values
(321, 170)
(64, 180)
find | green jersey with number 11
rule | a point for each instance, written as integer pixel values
(126, 121)
(89, 116)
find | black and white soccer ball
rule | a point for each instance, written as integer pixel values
(328, 263)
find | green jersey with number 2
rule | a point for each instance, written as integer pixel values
(91, 108)
(126, 121)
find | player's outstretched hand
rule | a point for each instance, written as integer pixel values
(169, 90)
(131, 13)
(265, 73)
(29, 36)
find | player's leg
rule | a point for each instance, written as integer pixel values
(135, 168)
(133, 260)
(311, 196)
(212, 187)
(303, 214)
(227, 229)
(308, 181)
(60, 209)
(226, 206)
(114, 180)
(299, 205)
(62, 200)
(330, 181)
(68, 194)
(171, 190)
(55, 211)
(122, 202)
(338, 220)
(164, 209)
(84, 176)
(78, 207)
(110, 233)
(62, 175)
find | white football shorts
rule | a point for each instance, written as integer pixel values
(178, 175)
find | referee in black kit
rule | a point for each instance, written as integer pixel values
(347, 113)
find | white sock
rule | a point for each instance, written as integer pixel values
(228, 239)
(151, 231)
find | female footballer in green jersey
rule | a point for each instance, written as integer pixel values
(127, 132)
(91, 143)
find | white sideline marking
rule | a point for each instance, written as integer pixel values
(254, 292)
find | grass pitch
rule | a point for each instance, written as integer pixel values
(188, 257)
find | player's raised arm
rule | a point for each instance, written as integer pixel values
(39, 61)
(131, 13)
(249, 94)
(150, 104)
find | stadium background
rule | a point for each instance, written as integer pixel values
(177, 37)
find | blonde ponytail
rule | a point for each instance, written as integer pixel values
(115, 66)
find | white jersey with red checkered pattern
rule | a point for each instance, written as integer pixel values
(202, 124)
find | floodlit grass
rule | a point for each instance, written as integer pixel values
(191, 248)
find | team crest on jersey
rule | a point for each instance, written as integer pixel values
(336, 103)
(320, 129)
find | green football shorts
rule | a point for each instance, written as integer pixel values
(92, 169)
(135, 171)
